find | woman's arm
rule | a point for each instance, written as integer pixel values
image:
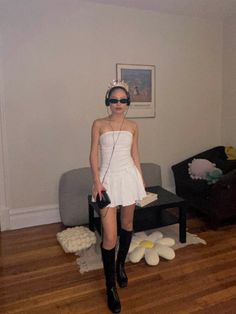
(94, 159)
(135, 151)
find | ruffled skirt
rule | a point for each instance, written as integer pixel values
(124, 186)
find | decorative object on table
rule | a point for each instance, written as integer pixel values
(90, 259)
(141, 82)
(151, 197)
(151, 247)
(75, 239)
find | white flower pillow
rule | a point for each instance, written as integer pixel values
(76, 239)
(199, 168)
(151, 247)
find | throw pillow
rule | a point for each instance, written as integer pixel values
(76, 239)
(151, 248)
(199, 168)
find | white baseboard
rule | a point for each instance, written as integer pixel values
(4, 218)
(33, 216)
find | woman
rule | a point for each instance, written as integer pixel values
(119, 174)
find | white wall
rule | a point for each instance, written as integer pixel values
(58, 57)
(229, 83)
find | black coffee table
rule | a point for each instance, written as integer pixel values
(151, 216)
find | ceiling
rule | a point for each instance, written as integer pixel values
(221, 9)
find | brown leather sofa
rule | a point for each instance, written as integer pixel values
(216, 201)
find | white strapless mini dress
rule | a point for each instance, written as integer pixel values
(123, 181)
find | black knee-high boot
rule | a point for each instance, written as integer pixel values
(108, 258)
(125, 239)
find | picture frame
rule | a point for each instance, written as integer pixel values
(141, 81)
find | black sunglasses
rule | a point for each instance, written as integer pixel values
(115, 101)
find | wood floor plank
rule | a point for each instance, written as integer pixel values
(38, 277)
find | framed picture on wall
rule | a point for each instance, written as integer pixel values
(141, 81)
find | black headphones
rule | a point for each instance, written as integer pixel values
(108, 94)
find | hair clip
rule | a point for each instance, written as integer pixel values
(116, 83)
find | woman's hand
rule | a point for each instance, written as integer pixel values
(97, 189)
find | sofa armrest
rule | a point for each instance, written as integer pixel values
(151, 174)
(74, 187)
(222, 197)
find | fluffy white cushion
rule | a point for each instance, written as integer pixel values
(76, 239)
(199, 168)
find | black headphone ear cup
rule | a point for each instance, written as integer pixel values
(128, 98)
(107, 99)
(128, 103)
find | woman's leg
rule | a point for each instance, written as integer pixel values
(109, 225)
(127, 215)
(108, 247)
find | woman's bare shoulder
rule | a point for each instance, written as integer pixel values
(99, 122)
(99, 125)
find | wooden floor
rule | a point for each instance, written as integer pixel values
(38, 277)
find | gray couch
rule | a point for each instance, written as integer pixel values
(76, 184)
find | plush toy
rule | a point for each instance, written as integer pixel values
(214, 175)
(199, 168)
(230, 151)
(151, 247)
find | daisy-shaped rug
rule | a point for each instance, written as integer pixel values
(151, 247)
